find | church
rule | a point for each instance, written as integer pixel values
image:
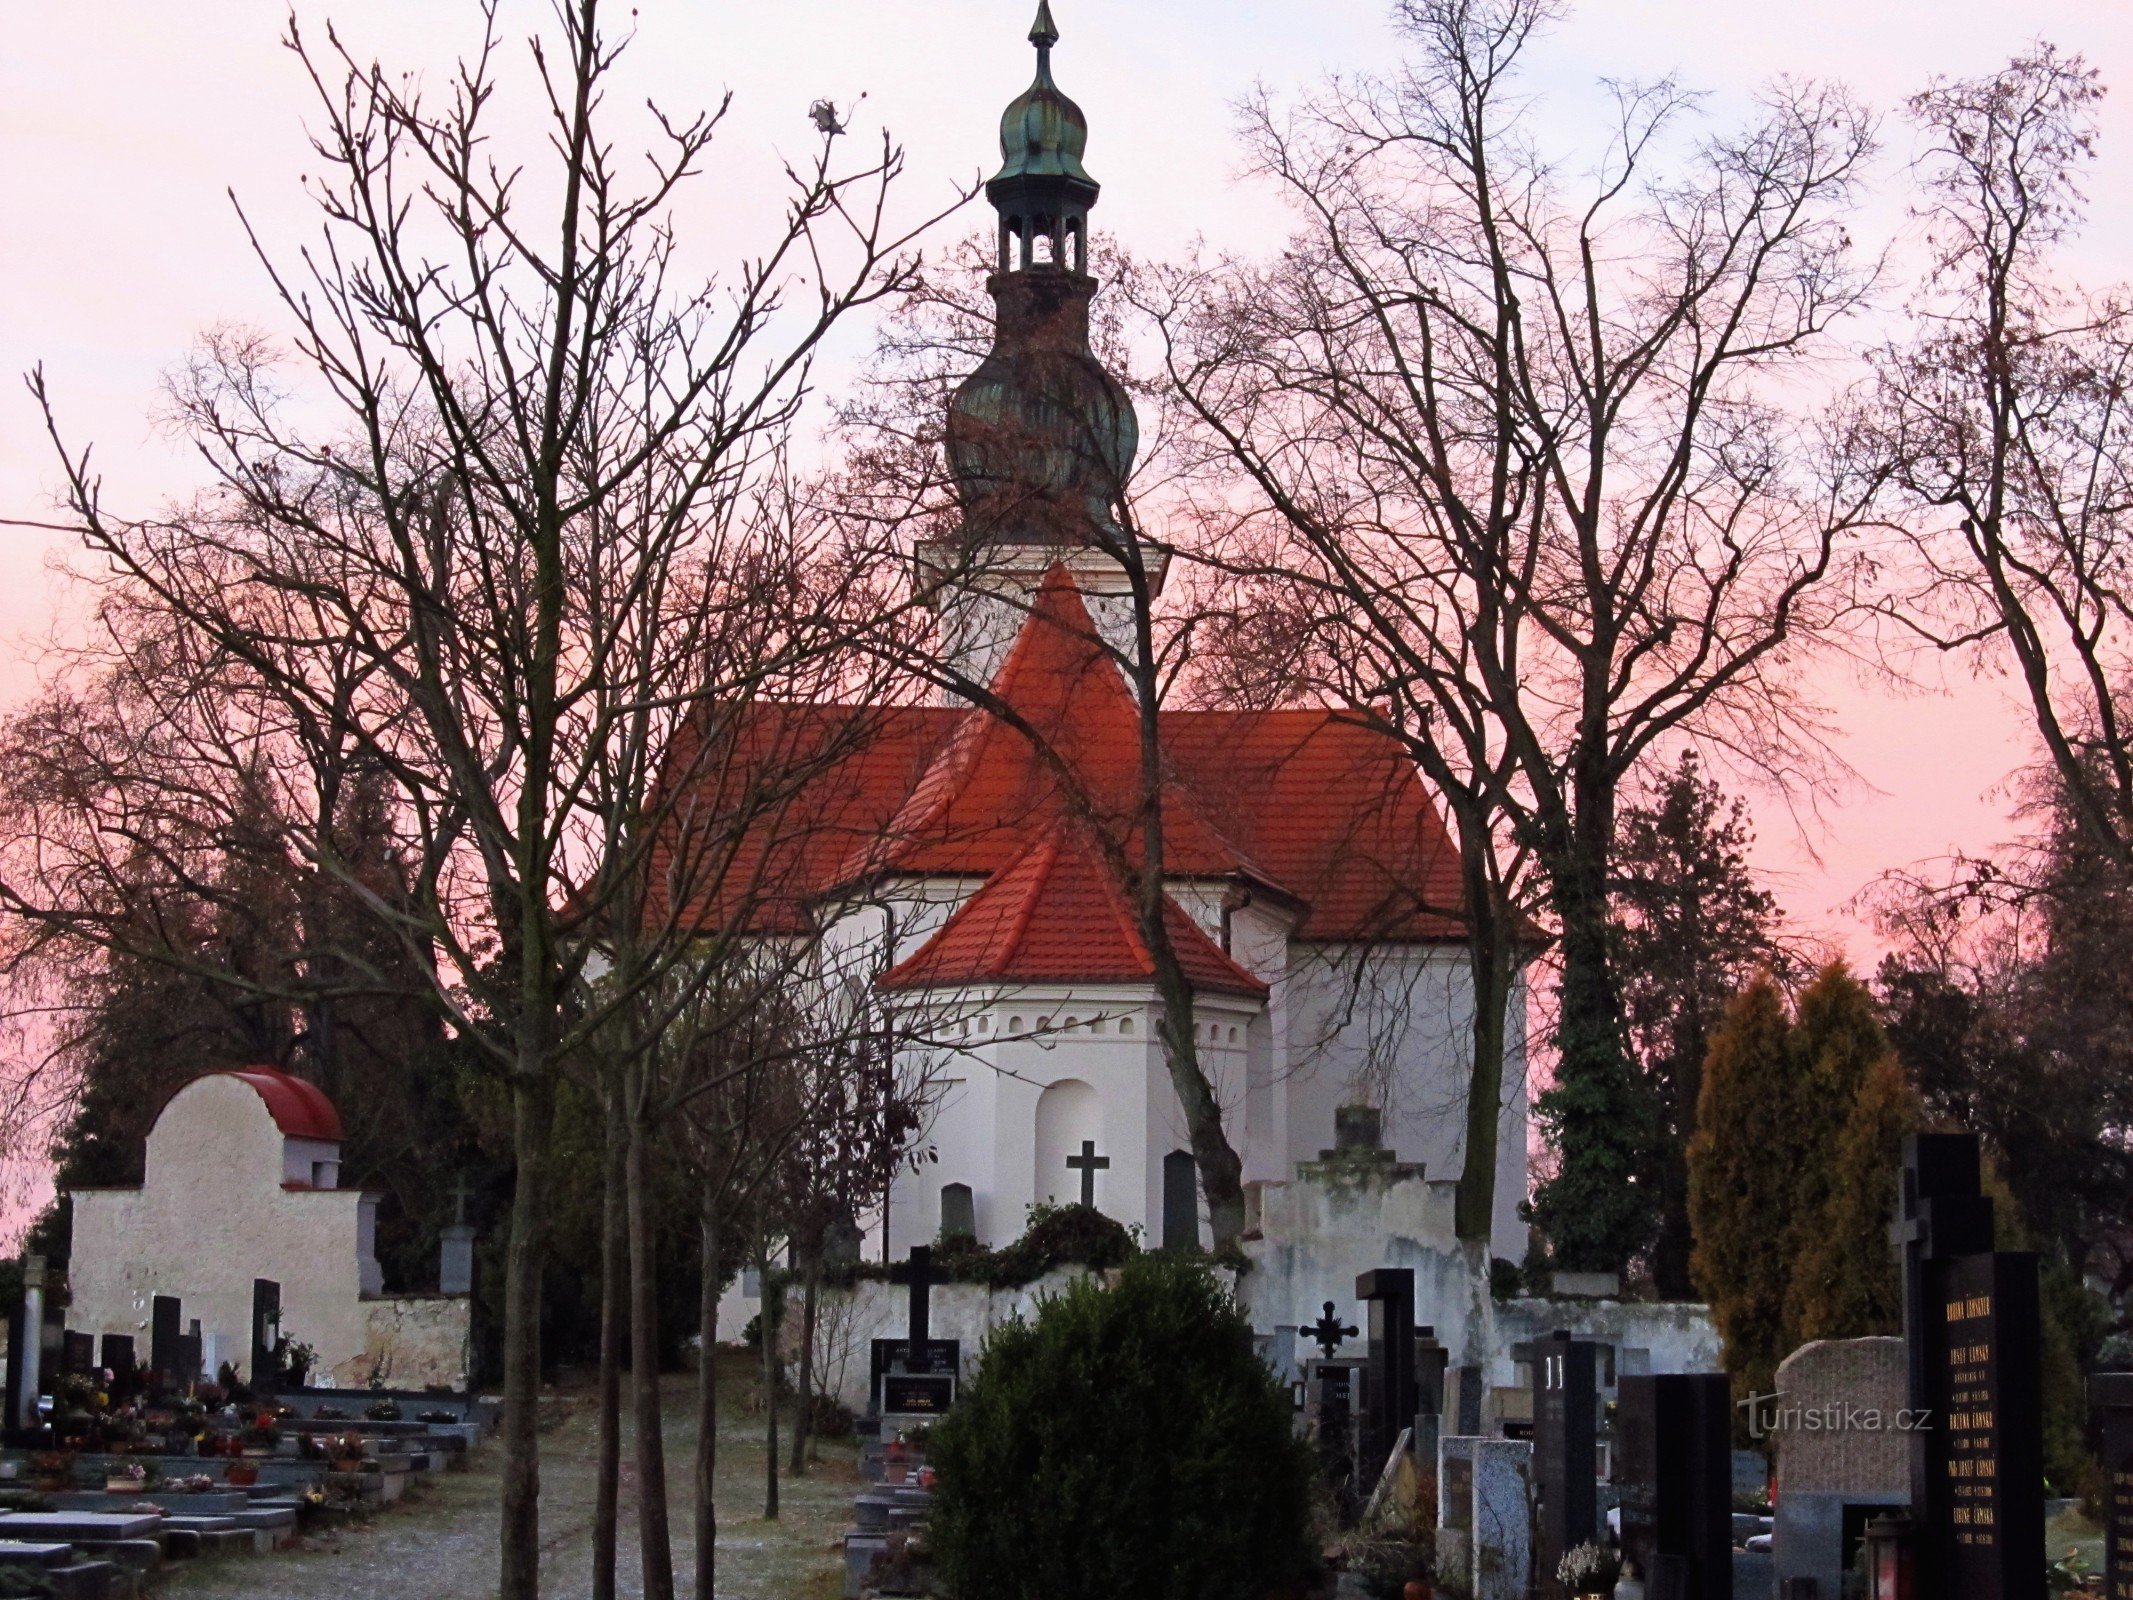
(964, 851)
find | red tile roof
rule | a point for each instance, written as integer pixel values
(786, 803)
(1057, 915)
(300, 1109)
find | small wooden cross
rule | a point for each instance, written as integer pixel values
(1329, 1331)
(461, 1192)
(1089, 1164)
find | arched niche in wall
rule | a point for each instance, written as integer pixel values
(1067, 1114)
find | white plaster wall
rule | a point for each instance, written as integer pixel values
(1393, 1027)
(212, 1216)
(1004, 1051)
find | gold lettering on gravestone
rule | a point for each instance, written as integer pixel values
(1972, 1462)
(2121, 1523)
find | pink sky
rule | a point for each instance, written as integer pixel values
(126, 121)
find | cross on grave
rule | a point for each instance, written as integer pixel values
(1089, 1163)
(1329, 1331)
(461, 1192)
(917, 1274)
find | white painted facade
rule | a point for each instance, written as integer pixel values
(1005, 1070)
(228, 1198)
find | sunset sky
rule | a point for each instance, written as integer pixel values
(125, 122)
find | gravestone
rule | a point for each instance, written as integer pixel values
(1431, 1359)
(1088, 1163)
(2111, 1426)
(164, 1331)
(1566, 1436)
(1502, 1536)
(1466, 1395)
(455, 1246)
(1973, 1337)
(1181, 1201)
(78, 1354)
(959, 1212)
(117, 1353)
(915, 1375)
(1455, 1505)
(266, 1332)
(1388, 1401)
(1842, 1454)
(1986, 1333)
(192, 1355)
(1332, 1407)
(1674, 1477)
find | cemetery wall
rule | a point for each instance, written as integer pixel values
(412, 1342)
(1312, 1238)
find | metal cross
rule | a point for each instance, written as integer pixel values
(461, 1192)
(1328, 1332)
(1089, 1163)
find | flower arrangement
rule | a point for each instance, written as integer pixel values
(383, 1411)
(330, 1414)
(196, 1483)
(1589, 1569)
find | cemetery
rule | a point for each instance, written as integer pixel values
(1401, 871)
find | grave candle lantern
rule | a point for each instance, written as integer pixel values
(1889, 1558)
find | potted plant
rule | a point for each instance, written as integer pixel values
(383, 1411)
(344, 1452)
(129, 1479)
(240, 1474)
(1589, 1571)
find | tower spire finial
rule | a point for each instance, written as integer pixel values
(1044, 32)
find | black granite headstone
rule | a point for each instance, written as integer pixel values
(191, 1351)
(1330, 1416)
(1984, 1336)
(164, 1331)
(1566, 1441)
(1431, 1362)
(78, 1354)
(1942, 1212)
(1388, 1402)
(118, 1357)
(959, 1212)
(1674, 1477)
(1181, 1201)
(266, 1333)
(919, 1355)
(2111, 1427)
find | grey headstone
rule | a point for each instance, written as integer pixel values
(1840, 1453)
(455, 1259)
(1503, 1520)
(959, 1212)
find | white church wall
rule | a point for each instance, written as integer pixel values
(1392, 1027)
(211, 1216)
(987, 1125)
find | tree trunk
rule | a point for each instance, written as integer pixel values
(533, 1121)
(655, 1542)
(803, 1413)
(614, 1255)
(707, 1402)
(1489, 941)
(767, 1324)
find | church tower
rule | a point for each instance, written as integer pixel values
(1041, 437)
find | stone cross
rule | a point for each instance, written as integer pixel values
(1089, 1163)
(918, 1274)
(1328, 1331)
(461, 1192)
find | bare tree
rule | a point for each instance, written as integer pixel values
(2004, 420)
(1528, 441)
(507, 562)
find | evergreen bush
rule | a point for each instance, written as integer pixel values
(1126, 1445)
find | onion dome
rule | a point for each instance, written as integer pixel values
(1041, 438)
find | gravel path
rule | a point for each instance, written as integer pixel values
(439, 1543)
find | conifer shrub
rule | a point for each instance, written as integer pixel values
(1126, 1445)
